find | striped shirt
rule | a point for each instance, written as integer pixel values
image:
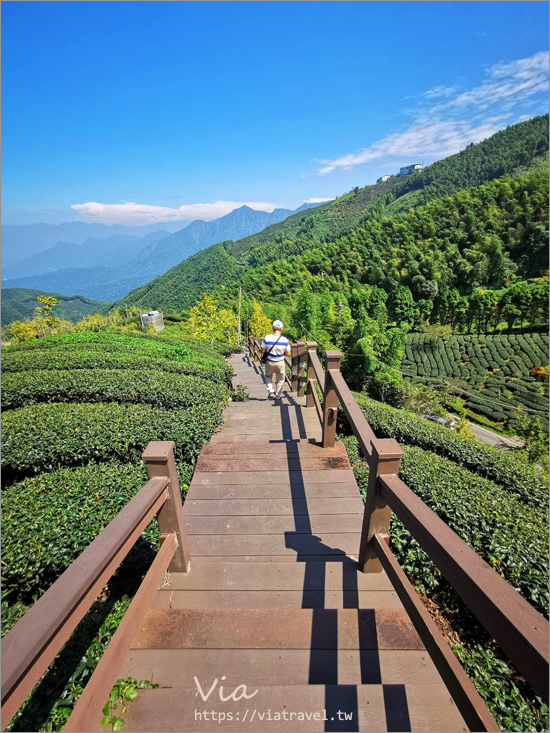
(277, 353)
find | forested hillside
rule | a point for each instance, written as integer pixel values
(457, 237)
(18, 304)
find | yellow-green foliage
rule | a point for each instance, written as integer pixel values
(207, 321)
(259, 323)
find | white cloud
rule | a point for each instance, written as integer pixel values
(451, 120)
(133, 214)
(438, 92)
(318, 201)
(514, 82)
(424, 139)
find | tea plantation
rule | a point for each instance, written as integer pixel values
(490, 372)
(78, 411)
(498, 504)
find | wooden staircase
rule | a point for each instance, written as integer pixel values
(275, 600)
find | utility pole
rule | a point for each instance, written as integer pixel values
(239, 316)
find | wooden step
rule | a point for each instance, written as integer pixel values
(277, 628)
(262, 465)
(273, 507)
(259, 490)
(413, 707)
(304, 523)
(261, 667)
(276, 449)
(295, 545)
(326, 476)
(268, 576)
(205, 599)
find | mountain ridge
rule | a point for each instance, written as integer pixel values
(103, 282)
(514, 149)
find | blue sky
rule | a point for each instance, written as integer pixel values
(135, 112)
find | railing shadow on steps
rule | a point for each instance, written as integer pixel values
(31, 645)
(520, 631)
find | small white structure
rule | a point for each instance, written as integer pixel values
(152, 318)
(382, 179)
(408, 169)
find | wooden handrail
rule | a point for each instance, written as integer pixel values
(86, 713)
(317, 368)
(358, 422)
(472, 708)
(516, 626)
(30, 646)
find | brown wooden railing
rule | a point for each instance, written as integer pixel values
(516, 626)
(30, 646)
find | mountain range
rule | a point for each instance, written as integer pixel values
(305, 245)
(107, 268)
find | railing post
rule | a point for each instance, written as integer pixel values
(294, 368)
(159, 459)
(330, 406)
(311, 381)
(302, 365)
(386, 457)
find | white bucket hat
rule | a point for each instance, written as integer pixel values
(277, 325)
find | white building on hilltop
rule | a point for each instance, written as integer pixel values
(382, 179)
(408, 169)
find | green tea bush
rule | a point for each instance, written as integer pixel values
(44, 437)
(100, 358)
(197, 354)
(152, 387)
(503, 467)
(50, 519)
(474, 362)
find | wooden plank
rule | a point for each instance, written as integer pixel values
(287, 558)
(432, 709)
(278, 628)
(87, 711)
(327, 476)
(277, 491)
(260, 667)
(180, 709)
(270, 507)
(33, 642)
(275, 449)
(262, 465)
(277, 576)
(210, 599)
(521, 632)
(222, 437)
(463, 692)
(318, 523)
(292, 544)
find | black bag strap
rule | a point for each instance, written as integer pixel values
(273, 345)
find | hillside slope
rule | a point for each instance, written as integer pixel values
(380, 246)
(18, 304)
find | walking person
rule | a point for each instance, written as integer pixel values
(274, 349)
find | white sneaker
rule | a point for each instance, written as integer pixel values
(271, 396)
(277, 396)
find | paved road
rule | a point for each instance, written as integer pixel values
(490, 438)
